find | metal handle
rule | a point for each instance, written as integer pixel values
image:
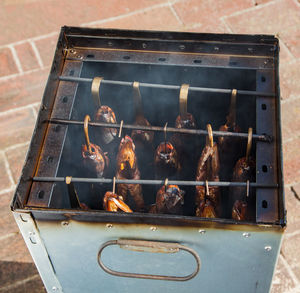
(149, 246)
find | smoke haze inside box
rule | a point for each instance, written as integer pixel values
(160, 106)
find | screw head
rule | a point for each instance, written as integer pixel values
(153, 228)
(54, 289)
(268, 248)
(109, 225)
(246, 234)
(202, 231)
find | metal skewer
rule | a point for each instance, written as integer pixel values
(260, 137)
(165, 86)
(156, 182)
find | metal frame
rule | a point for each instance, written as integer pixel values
(77, 45)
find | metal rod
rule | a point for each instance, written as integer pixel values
(155, 182)
(260, 137)
(168, 87)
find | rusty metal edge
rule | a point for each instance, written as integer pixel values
(36, 144)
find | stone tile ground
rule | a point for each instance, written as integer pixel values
(27, 42)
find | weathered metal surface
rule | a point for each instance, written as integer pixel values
(245, 259)
(40, 195)
(267, 201)
(38, 251)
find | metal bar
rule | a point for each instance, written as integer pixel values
(155, 182)
(169, 87)
(260, 137)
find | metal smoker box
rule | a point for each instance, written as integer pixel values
(96, 251)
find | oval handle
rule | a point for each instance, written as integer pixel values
(150, 246)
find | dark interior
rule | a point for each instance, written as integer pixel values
(160, 106)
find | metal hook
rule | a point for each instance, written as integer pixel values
(95, 89)
(87, 118)
(166, 183)
(73, 196)
(248, 188)
(121, 127)
(206, 188)
(68, 179)
(137, 99)
(165, 133)
(249, 143)
(231, 118)
(183, 96)
(114, 185)
(210, 139)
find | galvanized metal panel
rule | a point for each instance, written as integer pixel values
(232, 261)
(38, 251)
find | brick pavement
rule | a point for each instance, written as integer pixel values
(27, 45)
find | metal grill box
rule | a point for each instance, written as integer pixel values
(77, 250)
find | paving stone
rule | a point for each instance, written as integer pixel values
(11, 272)
(282, 281)
(16, 127)
(291, 37)
(289, 80)
(7, 63)
(285, 55)
(292, 203)
(156, 19)
(27, 56)
(206, 12)
(23, 90)
(16, 159)
(216, 27)
(290, 251)
(261, 19)
(27, 19)
(4, 179)
(7, 222)
(259, 2)
(13, 248)
(46, 48)
(291, 160)
(33, 286)
(290, 112)
(280, 17)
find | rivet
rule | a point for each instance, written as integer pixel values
(216, 48)
(64, 223)
(268, 248)
(246, 234)
(109, 225)
(153, 228)
(144, 45)
(54, 288)
(202, 231)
